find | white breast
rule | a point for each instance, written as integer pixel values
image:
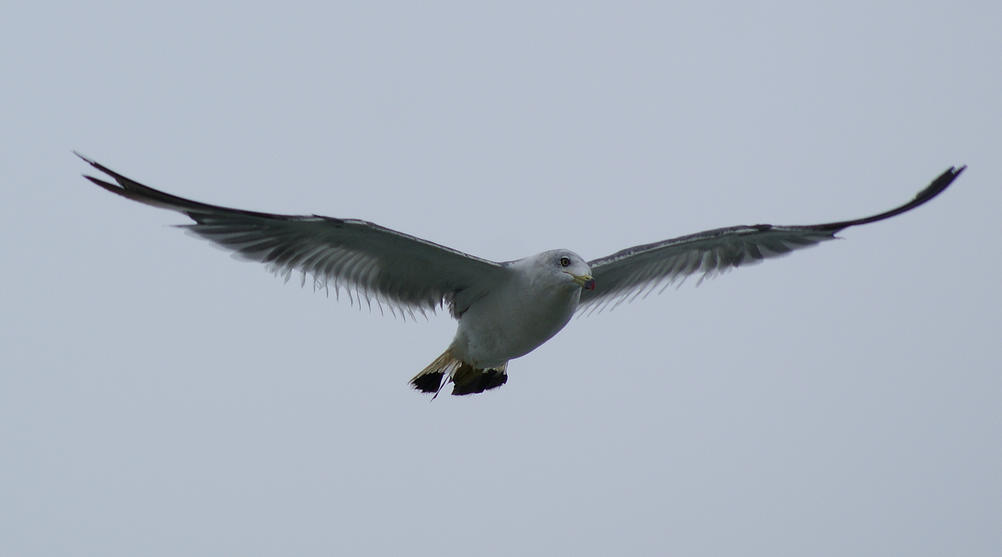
(512, 321)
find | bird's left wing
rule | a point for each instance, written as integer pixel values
(368, 261)
(639, 270)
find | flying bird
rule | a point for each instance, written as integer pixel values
(505, 310)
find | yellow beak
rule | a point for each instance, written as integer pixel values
(584, 281)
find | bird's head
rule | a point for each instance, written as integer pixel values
(561, 267)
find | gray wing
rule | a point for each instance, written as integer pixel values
(639, 270)
(367, 260)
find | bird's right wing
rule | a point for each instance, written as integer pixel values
(639, 270)
(370, 262)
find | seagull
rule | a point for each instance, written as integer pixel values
(505, 310)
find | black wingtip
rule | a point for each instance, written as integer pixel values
(92, 162)
(104, 169)
(946, 178)
(136, 191)
(106, 185)
(938, 185)
(123, 186)
(935, 188)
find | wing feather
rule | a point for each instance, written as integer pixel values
(631, 272)
(369, 261)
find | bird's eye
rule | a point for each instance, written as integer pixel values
(565, 261)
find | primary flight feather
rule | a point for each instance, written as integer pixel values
(505, 310)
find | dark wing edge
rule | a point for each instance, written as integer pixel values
(639, 270)
(370, 262)
(935, 188)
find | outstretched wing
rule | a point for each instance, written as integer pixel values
(367, 260)
(639, 270)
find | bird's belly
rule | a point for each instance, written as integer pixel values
(490, 334)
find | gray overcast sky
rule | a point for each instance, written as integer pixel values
(160, 398)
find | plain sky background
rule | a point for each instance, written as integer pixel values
(158, 397)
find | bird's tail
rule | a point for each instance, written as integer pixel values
(465, 378)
